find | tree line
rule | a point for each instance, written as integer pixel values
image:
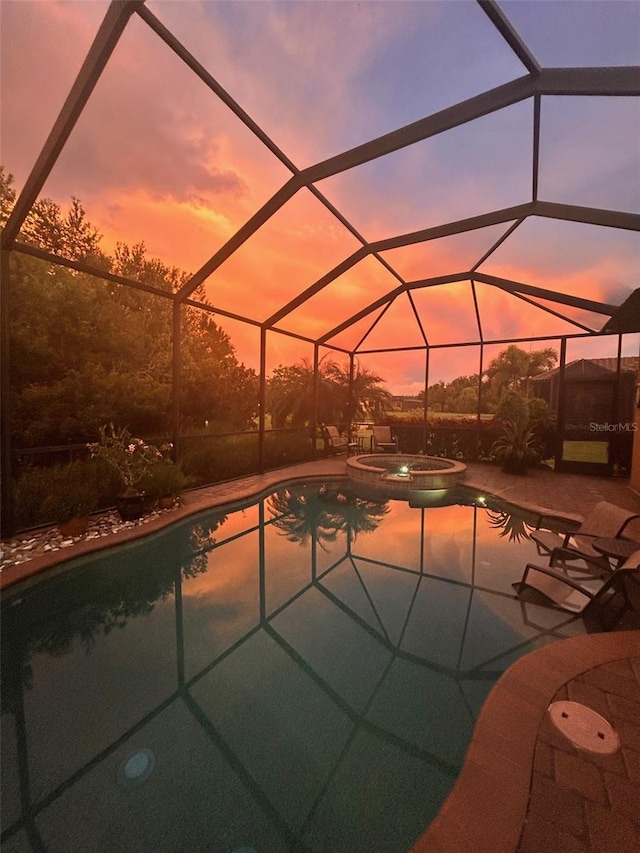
(511, 371)
(85, 351)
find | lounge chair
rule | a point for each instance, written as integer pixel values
(575, 596)
(605, 521)
(384, 440)
(334, 440)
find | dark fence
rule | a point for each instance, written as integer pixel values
(471, 440)
(212, 459)
(40, 472)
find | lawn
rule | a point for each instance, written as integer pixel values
(433, 416)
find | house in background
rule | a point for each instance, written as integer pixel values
(407, 404)
(595, 406)
(590, 386)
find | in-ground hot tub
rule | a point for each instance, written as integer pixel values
(401, 472)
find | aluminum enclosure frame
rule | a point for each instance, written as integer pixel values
(537, 83)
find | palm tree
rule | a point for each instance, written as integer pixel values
(291, 393)
(507, 369)
(514, 367)
(368, 398)
(540, 361)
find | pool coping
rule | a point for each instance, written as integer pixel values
(193, 503)
(203, 499)
(486, 810)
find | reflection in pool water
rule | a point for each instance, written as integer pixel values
(280, 676)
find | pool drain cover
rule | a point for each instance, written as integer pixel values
(583, 727)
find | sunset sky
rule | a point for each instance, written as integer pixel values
(156, 157)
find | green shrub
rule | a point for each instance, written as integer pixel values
(513, 407)
(73, 498)
(453, 438)
(213, 458)
(30, 493)
(517, 446)
(48, 495)
(540, 413)
(166, 479)
(286, 447)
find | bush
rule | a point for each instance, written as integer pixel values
(48, 495)
(453, 438)
(513, 407)
(286, 447)
(165, 480)
(540, 413)
(73, 499)
(30, 493)
(516, 446)
(210, 459)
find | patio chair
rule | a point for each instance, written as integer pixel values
(384, 440)
(335, 441)
(575, 596)
(605, 521)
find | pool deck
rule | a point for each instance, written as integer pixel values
(524, 788)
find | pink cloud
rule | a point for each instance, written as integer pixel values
(37, 74)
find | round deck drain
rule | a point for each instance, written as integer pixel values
(583, 727)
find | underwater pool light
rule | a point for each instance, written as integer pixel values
(136, 769)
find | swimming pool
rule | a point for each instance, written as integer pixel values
(298, 673)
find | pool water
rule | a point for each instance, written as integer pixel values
(301, 673)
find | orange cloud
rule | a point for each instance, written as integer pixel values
(156, 157)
